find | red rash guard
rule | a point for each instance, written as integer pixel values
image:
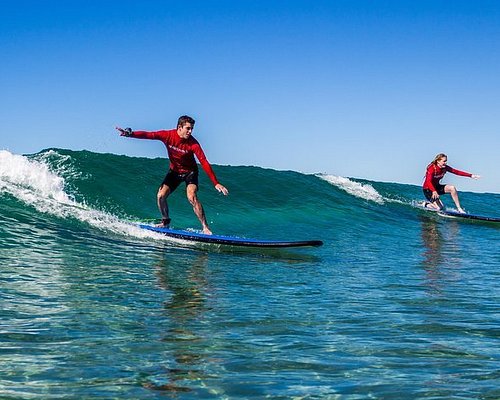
(181, 152)
(434, 174)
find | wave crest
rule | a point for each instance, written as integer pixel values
(32, 182)
(363, 191)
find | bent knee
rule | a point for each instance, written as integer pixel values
(163, 193)
(192, 198)
(451, 189)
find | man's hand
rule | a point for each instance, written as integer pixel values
(221, 189)
(435, 196)
(475, 176)
(124, 131)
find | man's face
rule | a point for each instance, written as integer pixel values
(185, 130)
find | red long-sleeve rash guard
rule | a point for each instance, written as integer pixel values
(434, 174)
(181, 152)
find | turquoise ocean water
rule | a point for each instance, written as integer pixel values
(399, 303)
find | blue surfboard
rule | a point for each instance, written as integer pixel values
(454, 214)
(229, 240)
(466, 216)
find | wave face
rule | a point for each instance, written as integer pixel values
(399, 302)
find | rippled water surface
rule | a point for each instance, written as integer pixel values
(398, 303)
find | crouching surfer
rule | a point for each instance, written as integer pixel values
(181, 149)
(433, 188)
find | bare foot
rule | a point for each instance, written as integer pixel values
(165, 223)
(207, 231)
(431, 206)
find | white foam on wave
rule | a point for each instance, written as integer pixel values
(35, 184)
(362, 190)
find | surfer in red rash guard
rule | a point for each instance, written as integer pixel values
(432, 187)
(181, 149)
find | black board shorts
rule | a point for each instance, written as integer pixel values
(174, 179)
(428, 192)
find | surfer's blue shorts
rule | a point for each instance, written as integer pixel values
(428, 193)
(174, 179)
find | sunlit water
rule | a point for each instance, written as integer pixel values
(398, 303)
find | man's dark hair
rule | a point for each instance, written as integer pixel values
(185, 119)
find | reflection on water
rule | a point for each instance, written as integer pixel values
(184, 278)
(432, 239)
(441, 251)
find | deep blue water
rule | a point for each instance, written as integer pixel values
(398, 303)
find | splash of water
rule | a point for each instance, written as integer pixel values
(35, 184)
(363, 191)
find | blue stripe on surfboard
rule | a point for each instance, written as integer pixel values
(455, 214)
(228, 240)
